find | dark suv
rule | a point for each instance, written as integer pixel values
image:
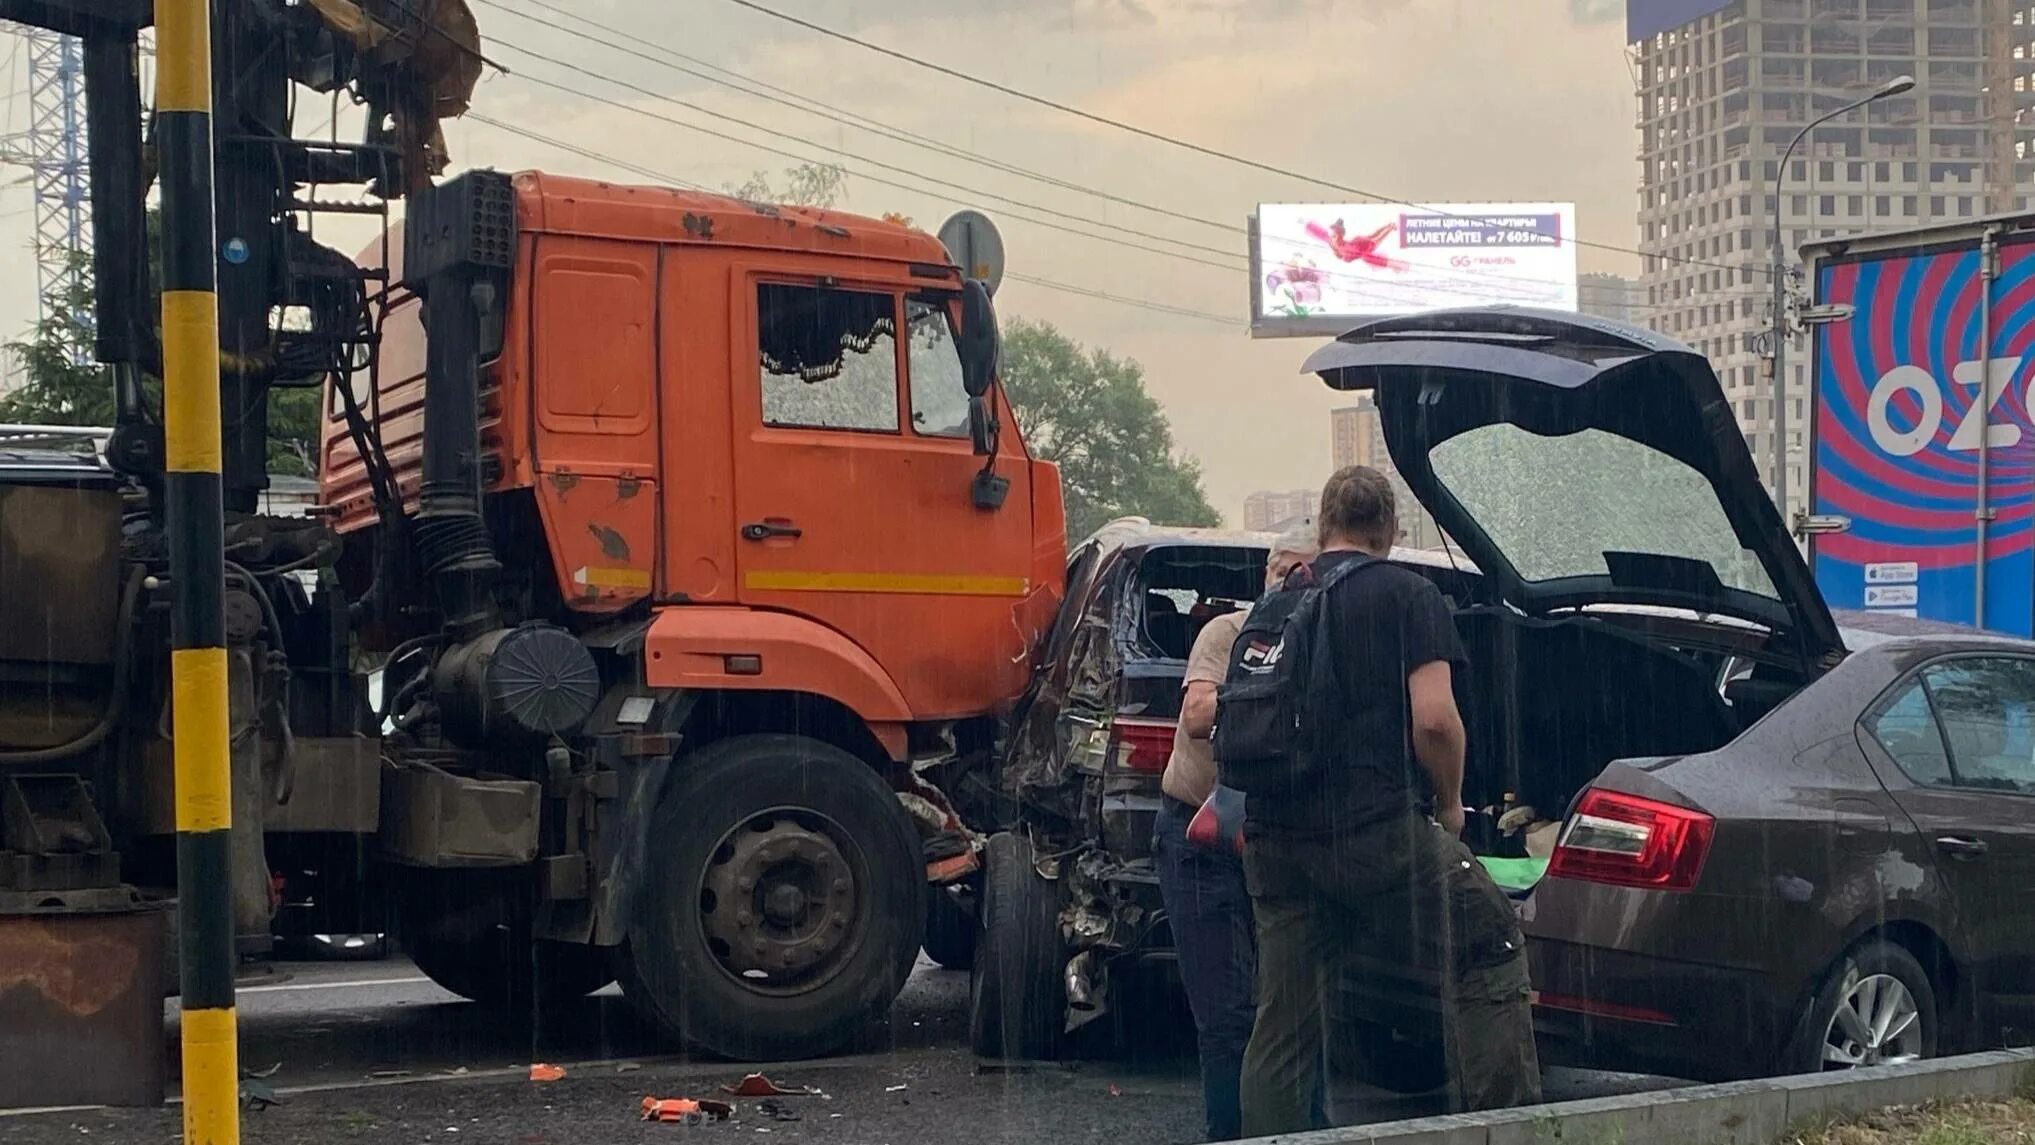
(1069, 900)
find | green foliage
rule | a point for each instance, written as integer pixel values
(57, 390)
(806, 185)
(1087, 410)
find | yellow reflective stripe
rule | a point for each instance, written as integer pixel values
(191, 402)
(211, 1078)
(199, 743)
(928, 584)
(611, 577)
(183, 55)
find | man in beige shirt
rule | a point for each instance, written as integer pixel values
(1203, 887)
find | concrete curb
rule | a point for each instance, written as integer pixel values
(1737, 1113)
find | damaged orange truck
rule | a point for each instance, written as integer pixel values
(707, 532)
(673, 555)
(674, 560)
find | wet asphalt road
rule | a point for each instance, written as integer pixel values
(373, 1051)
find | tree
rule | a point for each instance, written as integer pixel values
(1087, 411)
(806, 185)
(57, 390)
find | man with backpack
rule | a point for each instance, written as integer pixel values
(1338, 722)
(1201, 873)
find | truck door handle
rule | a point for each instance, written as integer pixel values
(1958, 847)
(765, 530)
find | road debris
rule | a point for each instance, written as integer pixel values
(895, 1088)
(776, 1110)
(258, 1095)
(686, 1110)
(757, 1085)
(545, 1071)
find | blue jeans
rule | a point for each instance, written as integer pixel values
(1210, 912)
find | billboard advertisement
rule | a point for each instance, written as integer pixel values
(1645, 19)
(1896, 437)
(1319, 266)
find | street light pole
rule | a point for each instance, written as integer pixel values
(1779, 271)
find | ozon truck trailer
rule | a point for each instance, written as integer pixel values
(1922, 478)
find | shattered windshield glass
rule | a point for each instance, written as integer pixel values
(1555, 505)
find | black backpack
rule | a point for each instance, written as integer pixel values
(1264, 743)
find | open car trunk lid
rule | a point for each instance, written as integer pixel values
(1580, 462)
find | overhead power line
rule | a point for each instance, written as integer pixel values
(1381, 291)
(1159, 136)
(771, 93)
(673, 180)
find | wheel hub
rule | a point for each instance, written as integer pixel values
(778, 902)
(1877, 1023)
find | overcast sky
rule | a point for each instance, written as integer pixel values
(1428, 100)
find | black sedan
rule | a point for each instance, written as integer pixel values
(1851, 882)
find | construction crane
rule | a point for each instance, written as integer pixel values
(52, 148)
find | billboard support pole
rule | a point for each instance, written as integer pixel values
(1982, 512)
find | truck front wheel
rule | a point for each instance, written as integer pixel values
(784, 901)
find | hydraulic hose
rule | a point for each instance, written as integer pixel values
(116, 704)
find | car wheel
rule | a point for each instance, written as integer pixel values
(950, 929)
(1876, 1006)
(1016, 1003)
(784, 900)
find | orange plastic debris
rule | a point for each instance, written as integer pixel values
(545, 1071)
(947, 870)
(685, 1110)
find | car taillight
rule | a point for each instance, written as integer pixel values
(1627, 841)
(1144, 744)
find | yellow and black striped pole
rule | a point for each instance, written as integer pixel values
(193, 515)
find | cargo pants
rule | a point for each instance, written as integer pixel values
(1401, 890)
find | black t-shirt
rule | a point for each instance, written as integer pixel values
(1387, 622)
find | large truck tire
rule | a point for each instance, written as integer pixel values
(469, 932)
(1017, 1000)
(783, 901)
(950, 929)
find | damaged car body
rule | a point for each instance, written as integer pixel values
(1623, 584)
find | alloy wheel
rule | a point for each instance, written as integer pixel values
(1877, 1023)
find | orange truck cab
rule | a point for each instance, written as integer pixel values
(686, 534)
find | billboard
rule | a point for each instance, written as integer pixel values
(1317, 267)
(1645, 19)
(1896, 439)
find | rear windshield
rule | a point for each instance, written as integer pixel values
(1556, 505)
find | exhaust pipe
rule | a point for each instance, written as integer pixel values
(1085, 989)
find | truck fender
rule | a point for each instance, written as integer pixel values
(714, 648)
(640, 754)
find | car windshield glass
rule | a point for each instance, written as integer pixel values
(1556, 505)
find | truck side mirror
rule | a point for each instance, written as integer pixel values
(980, 345)
(982, 425)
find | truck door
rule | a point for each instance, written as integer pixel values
(853, 469)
